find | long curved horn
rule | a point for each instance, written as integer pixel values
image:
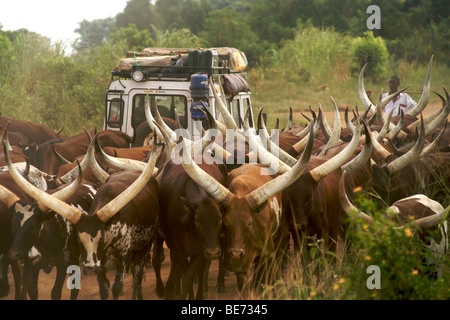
(263, 193)
(289, 124)
(305, 131)
(265, 137)
(7, 196)
(213, 123)
(117, 163)
(264, 156)
(436, 122)
(432, 220)
(161, 122)
(363, 156)
(411, 155)
(226, 116)
(43, 198)
(300, 145)
(204, 180)
(98, 171)
(385, 128)
(4, 134)
(69, 190)
(60, 158)
(336, 134)
(338, 160)
(362, 92)
(423, 101)
(120, 201)
(149, 117)
(379, 149)
(324, 123)
(347, 206)
(435, 142)
(72, 174)
(394, 132)
(431, 117)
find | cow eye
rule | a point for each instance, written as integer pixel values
(250, 224)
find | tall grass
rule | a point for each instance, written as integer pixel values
(316, 274)
(40, 83)
(316, 65)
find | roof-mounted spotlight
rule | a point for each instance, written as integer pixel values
(139, 75)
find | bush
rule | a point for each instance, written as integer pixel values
(371, 50)
(396, 253)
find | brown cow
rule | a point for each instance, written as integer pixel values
(43, 157)
(32, 132)
(191, 223)
(254, 226)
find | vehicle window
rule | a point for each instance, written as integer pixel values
(236, 112)
(166, 107)
(115, 113)
(246, 104)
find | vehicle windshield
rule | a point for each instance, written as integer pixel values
(166, 107)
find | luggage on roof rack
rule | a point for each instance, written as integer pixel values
(160, 60)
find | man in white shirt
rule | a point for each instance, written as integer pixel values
(402, 100)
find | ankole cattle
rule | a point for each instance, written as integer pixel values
(121, 222)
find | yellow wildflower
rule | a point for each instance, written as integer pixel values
(408, 232)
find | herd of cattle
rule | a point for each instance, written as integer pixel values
(81, 199)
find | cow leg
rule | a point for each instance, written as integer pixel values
(170, 285)
(139, 262)
(205, 278)
(59, 282)
(240, 278)
(103, 282)
(120, 276)
(196, 265)
(31, 278)
(220, 284)
(4, 268)
(203, 269)
(17, 271)
(158, 250)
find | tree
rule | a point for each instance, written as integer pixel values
(139, 12)
(93, 33)
(136, 39)
(225, 27)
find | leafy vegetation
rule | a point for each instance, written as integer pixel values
(300, 53)
(395, 254)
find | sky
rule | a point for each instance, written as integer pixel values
(55, 19)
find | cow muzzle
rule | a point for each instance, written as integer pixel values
(91, 268)
(15, 255)
(236, 253)
(212, 253)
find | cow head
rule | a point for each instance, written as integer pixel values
(26, 225)
(207, 219)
